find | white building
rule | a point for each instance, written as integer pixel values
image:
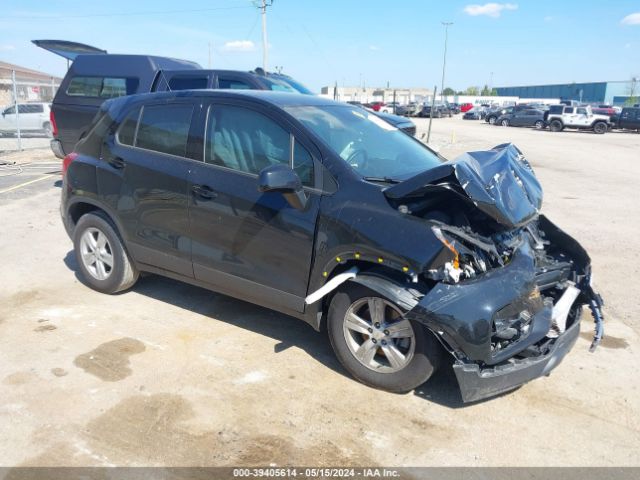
(372, 94)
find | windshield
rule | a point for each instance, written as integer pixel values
(289, 84)
(371, 146)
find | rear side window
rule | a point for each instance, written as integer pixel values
(127, 131)
(165, 128)
(102, 87)
(187, 83)
(582, 111)
(568, 110)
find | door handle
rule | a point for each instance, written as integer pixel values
(203, 192)
(116, 162)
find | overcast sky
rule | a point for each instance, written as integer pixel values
(349, 41)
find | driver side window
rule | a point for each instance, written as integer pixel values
(248, 141)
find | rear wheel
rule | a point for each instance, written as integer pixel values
(48, 131)
(556, 126)
(376, 344)
(539, 125)
(104, 263)
(504, 122)
(600, 128)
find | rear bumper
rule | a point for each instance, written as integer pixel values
(477, 383)
(56, 148)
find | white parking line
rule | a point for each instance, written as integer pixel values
(15, 187)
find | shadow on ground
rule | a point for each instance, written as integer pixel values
(442, 388)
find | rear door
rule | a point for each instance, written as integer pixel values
(246, 243)
(144, 178)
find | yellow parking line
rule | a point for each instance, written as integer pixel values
(15, 187)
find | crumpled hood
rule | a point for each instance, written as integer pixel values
(500, 182)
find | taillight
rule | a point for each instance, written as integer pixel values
(67, 161)
(54, 127)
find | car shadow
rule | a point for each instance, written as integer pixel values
(288, 331)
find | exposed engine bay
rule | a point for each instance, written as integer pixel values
(508, 286)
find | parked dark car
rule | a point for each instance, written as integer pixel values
(476, 113)
(322, 211)
(439, 111)
(454, 107)
(522, 118)
(629, 119)
(493, 115)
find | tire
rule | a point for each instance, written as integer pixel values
(600, 128)
(422, 351)
(556, 126)
(110, 270)
(539, 125)
(504, 123)
(492, 120)
(48, 131)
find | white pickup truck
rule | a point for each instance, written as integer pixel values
(560, 117)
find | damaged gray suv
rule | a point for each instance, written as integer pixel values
(323, 211)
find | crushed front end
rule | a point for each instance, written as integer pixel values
(506, 291)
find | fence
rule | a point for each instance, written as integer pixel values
(24, 113)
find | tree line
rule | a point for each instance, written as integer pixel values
(484, 92)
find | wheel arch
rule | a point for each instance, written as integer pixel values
(390, 282)
(81, 206)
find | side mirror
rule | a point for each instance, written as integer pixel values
(282, 179)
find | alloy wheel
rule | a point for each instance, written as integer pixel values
(378, 335)
(96, 253)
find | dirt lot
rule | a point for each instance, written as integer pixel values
(169, 374)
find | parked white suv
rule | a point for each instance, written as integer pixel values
(582, 118)
(32, 118)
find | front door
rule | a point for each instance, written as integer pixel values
(246, 243)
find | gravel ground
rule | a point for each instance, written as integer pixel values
(169, 374)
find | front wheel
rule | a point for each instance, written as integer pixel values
(492, 120)
(504, 123)
(376, 344)
(539, 125)
(600, 128)
(48, 131)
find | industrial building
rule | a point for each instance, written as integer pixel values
(31, 85)
(610, 93)
(372, 94)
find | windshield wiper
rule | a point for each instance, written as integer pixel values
(381, 179)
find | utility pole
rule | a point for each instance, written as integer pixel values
(209, 55)
(265, 47)
(444, 60)
(15, 106)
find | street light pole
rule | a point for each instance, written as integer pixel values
(444, 60)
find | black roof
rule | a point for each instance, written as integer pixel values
(279, 99)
